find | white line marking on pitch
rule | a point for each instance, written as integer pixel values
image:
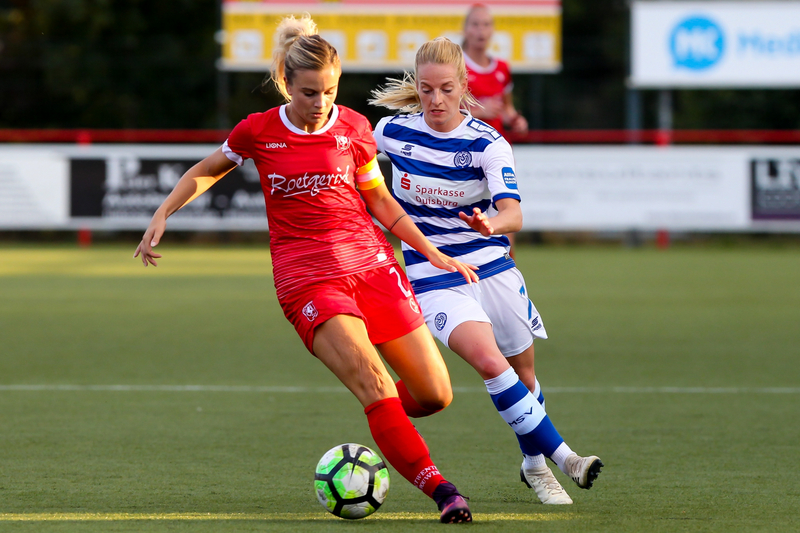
(326, 390)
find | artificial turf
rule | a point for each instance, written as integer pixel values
(678, 367)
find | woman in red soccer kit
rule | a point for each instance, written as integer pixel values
(489, 78)
(335, 273)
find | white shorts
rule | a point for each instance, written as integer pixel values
(501, 300)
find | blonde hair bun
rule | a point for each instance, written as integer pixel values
(299, 47)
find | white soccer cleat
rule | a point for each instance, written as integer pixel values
(547, 487)
(583, 470)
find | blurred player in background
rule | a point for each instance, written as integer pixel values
(455, 177)
(489, 79)
(335, 273)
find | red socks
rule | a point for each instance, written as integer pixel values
(401, 444)
(410, 405)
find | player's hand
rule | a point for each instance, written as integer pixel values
(151, 239)
(478, 221)
(518, 124)
(492, 108)
(439, 260)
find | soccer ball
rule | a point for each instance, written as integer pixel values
(351, 481)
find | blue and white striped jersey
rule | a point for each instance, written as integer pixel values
(437, 175)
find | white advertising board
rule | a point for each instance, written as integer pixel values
(674, 188)
(715, 44)
(119, 187)
(563, 188)
(33, 189)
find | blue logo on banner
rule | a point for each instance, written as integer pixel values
(697, 43)
(509, 177)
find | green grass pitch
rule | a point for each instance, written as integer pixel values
(178, 398)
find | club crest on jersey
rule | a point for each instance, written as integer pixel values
(406, 150)
(342, 142)
(310, 312)
(440, 321)
(509, 177)
(462, 159)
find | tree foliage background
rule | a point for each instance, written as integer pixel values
(151, 64)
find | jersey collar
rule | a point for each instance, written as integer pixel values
(294, 129)
(473, 66)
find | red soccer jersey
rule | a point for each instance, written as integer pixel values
(492, 81)
(319, 227)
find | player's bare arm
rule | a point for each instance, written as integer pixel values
(489, 109)
(507, 220)
(192, 184)
(512, 119)
(389, 213)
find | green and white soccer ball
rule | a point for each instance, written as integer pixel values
(351, 481)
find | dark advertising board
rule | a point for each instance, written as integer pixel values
(128, 188)
(775, 183)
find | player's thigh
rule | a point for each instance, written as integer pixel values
(515, 319)
(418, 362)
(445, 309)
(457, 318)
(342, 344)
(474, 342)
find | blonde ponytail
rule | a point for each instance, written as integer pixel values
(299, 47)
(402, 95)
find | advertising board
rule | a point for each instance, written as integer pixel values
(715, 44)
(384, 36)
(563, 188)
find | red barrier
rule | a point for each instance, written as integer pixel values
(88, 136)
(658, 137)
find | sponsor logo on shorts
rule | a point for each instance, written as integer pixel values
(462, 159)
(440, 321)
(535, 324)
(310, 312)
(414, 307)
(509, 177)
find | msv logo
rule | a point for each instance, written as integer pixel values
(697, 43)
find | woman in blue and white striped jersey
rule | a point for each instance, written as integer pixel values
(454, 176)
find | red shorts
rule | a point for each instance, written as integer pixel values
(381, 297)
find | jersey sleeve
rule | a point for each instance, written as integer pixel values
(378, 134)
(509, 85)
(498, 166)
(368, 172)
(237, 147)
